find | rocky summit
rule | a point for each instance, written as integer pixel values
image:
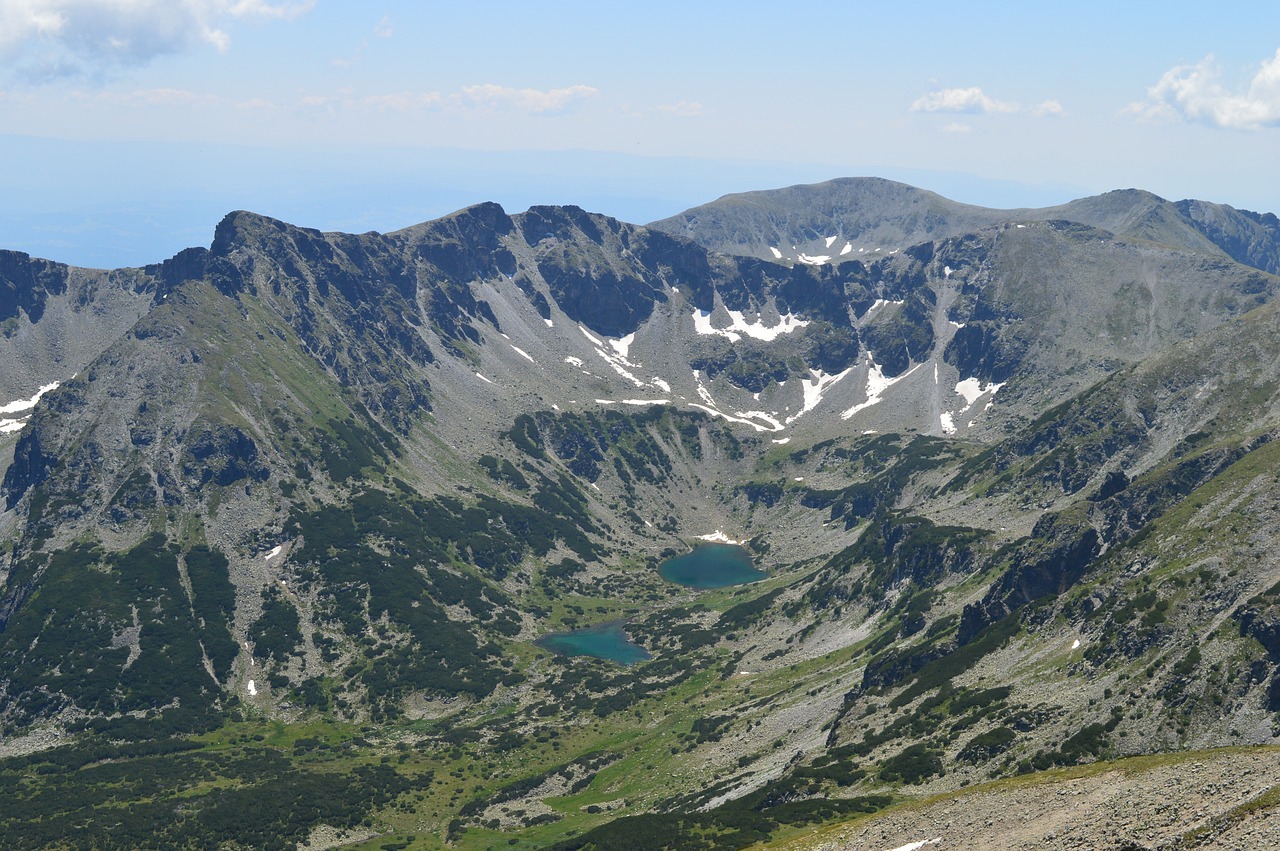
(323, 539)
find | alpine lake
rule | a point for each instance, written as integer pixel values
(707, 566)
(712, 566)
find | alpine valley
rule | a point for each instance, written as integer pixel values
(288, 523)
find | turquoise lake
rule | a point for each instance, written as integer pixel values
(712, 566)
(603, 641)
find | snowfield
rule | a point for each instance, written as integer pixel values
(740, 327)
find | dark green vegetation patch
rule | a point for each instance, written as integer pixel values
(171, 794)
(116, 633)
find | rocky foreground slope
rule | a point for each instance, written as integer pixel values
(1223, 800)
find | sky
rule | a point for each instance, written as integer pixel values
(128, 128)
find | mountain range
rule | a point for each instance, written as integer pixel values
(295, 512)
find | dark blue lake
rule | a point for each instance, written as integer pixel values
(603, 641)
(712, 566)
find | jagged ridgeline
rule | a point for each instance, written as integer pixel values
(285, 518)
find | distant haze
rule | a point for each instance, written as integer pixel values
(132, 203)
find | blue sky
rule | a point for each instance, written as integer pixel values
(128, 127)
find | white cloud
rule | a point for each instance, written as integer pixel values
(54, 38)
(478, 97)
(1196, 92)
(1048, 108)
(970, 100)
(288, 9)
(384, 29)
(958, 127)
(684, 108)
(164, 97)
(21, 19)
(526, 100)
(406, 101)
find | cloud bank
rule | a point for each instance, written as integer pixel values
(970, 101)
(483, 96)
(549, 102)
(65, 38)
(1196, 92)
(974, 101)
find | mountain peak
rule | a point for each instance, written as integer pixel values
(487, 217)
(242, 228)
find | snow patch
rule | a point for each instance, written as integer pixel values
(618, 368)
(946, 271)
(572, 361)
(848, 246)
(762, 415)
(482, 378)
(814, 261)
(275, 551)
(715, 412)
(550, 324)
(522, 353)
(830, 240)
(972, 390)
(703, 393)
(955, 325)
(623, 345)
(253, 689)
(815, 389)
(718, 537)
(948, 423)
(740, 327)
(777, 255)
(617, 358)
(660, 384)
(1075, 645)
(644, 401)
(783, 441)
(745, 417)
(915, 846)
(22, 407)
(877, 384)
(879, 303)
(27, 404)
